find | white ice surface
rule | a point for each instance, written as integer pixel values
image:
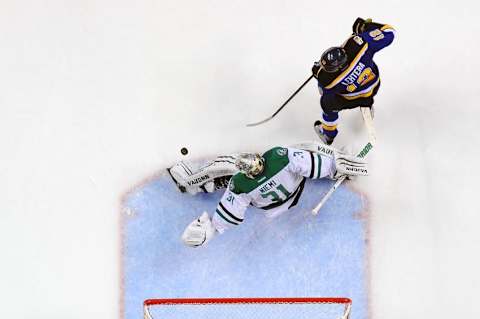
(98, 95)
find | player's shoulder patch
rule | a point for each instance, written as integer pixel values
(231, 185)
(358, 40)
(275, 153)
(281, 151)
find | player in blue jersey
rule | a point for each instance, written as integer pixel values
(347, 76)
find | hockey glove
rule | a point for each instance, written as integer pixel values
(349, 165)
(360, 25)
(199, 232)
(316, 69)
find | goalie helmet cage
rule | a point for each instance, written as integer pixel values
(248, 308)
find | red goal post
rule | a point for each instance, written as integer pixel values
(248, 308)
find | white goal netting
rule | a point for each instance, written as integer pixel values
(248, 308)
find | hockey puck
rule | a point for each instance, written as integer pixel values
(184, 151)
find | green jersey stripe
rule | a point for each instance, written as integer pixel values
(227, 220)
(319, 165)
(230, 214)
(312, 167)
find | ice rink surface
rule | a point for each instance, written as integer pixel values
(295, 254)
(99, 96)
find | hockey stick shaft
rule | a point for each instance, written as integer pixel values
(327, 195)
(283, 105)
(368, 119)
(339, 181)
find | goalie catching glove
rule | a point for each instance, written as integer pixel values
(199, 232)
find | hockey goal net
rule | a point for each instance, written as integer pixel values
(248, 308)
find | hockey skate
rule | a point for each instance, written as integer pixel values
(317, 126)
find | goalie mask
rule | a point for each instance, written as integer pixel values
(251, 164)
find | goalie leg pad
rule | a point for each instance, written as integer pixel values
(209, 178)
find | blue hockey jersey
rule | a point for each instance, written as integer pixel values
(361, 76)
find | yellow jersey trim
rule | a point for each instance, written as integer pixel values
(329, 127)
(366, 94)
(387, 27)
(349, 69)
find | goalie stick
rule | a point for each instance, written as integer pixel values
(367, 118)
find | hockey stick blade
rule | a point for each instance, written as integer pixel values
(181, 188)
(261, 122)
(283, 105)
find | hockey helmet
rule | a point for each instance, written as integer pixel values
(334, 59)
(250, 164)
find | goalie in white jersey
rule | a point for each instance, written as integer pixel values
(272, 182)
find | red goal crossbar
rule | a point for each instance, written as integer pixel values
(172, 301)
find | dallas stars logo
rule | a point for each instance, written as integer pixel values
(282, 151)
